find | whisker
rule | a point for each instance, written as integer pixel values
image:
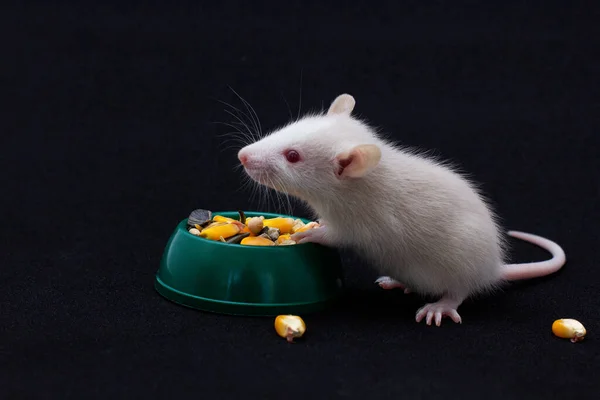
(284, 192)
(232, 124)
(300, 99)
(236, 133)
(278, 196)
(249, 183)
(251, 110)
(246, 126)
(236, 109)
(288, 106)
(241, 119)
(229, 148)
(233, 137)
(257, 193)
(285, 198)
(246, 183)
(269, 191)
(279, 192)
(290, 203)
(289, 200)
(265, 192)
(236, 142)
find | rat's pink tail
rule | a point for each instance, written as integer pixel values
(515, 272)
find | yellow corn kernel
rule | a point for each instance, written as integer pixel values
(220, 218)
(283, 237)
(283, 224)
(567, 328)
(211, 225)
(256, 241)
(215, 232)
(306, 227)
(297, 225)
(289, 327)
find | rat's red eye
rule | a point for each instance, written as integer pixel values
(292, 156)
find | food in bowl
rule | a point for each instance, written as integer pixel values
(252, 231)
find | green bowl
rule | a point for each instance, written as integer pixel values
(248, 280)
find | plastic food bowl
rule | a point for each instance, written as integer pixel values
(233, 279)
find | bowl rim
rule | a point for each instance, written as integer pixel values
(183, 227)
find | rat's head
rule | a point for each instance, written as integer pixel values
(314, 155)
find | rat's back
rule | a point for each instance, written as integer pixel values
(422, 223)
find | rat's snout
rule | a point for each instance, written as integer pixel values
(248, 161)
(255, 165)
(243, 157)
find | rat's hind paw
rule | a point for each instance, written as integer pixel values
(444, 308)
(386, 282)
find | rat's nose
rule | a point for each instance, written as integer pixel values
(243, 158)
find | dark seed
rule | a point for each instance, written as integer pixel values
(242, 217)
(237, 238)
(200, 217)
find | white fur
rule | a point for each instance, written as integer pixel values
(415, 218)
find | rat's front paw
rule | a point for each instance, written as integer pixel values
(314, 235)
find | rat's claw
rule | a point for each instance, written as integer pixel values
(436, 311)
(438, 318)
(420, 314)
(455, 316)
(429, 317)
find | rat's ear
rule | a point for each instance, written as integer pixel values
(343, 104)
(358, 161)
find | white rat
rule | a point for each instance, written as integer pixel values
(425, 227)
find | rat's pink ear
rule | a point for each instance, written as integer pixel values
(358, 161)
(343, 104)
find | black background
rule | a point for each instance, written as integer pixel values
(109, 139)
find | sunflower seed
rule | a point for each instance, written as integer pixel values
(199, 217)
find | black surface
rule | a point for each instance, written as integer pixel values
(108, 140)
